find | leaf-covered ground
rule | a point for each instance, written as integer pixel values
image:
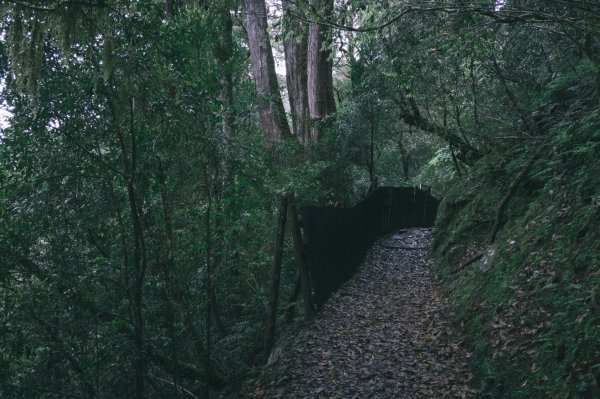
(384, 334)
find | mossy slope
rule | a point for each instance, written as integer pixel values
(531, 320)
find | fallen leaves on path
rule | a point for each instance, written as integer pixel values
(383, 334)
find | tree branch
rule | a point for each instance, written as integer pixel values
(410, 114)
(503, 16)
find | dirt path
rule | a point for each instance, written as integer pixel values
(384, 334)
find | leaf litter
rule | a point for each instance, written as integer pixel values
(386, 333)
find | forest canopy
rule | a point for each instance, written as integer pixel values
(151, 148)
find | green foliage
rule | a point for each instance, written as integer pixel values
(369, 118)
(136, 195)
(530, 318)
(136, 103)
(438, 172)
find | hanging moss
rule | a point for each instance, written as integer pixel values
(36, 56)
(26, 37)
(15, 39)
(107, 57)
(30, 31)
(68, 16)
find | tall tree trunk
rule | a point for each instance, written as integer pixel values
(269, 338)
(295, 45)
(321, 101)
(269, 103)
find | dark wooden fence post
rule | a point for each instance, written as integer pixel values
(300, 256)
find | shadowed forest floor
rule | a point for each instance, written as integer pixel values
(384, 334)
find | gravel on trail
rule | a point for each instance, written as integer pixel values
(386, 333)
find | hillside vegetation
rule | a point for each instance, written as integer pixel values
(532, 312)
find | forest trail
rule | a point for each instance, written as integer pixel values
(384, 334)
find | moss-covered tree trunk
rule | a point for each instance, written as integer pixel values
(295, 44)
(321, 101)
(269, 103)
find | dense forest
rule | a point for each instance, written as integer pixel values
(154, 155)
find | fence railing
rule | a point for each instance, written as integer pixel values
(337, 239)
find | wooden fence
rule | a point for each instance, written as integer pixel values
(337, 239)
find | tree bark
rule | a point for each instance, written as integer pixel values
(300, 256)
(321, 101)
(295, 45)
(410, 114)
(269, 103)
(269, 338)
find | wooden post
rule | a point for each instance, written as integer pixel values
(270, 324)
(300, 257)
